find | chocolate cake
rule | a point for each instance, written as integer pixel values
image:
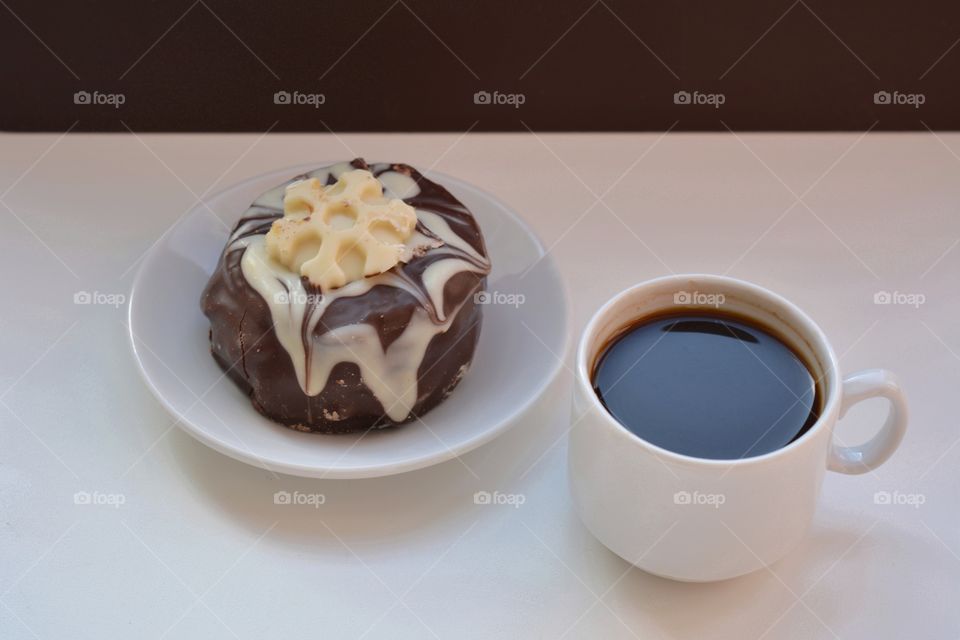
(345, 298)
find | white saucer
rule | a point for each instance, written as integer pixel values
(522, 346)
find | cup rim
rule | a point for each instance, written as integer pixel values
(805, 326)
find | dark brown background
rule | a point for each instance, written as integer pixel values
(416, 64)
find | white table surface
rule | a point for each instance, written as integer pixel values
(198, 549)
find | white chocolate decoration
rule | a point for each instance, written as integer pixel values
(297, 310)
(339, 234)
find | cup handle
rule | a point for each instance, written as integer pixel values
(871, 383)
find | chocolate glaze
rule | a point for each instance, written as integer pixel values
(244, 342)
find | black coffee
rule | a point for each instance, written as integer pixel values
(707, 385)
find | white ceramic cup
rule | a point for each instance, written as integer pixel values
(696, 519)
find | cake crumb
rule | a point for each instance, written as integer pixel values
(456, 380)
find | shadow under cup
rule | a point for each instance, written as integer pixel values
(684, 517)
